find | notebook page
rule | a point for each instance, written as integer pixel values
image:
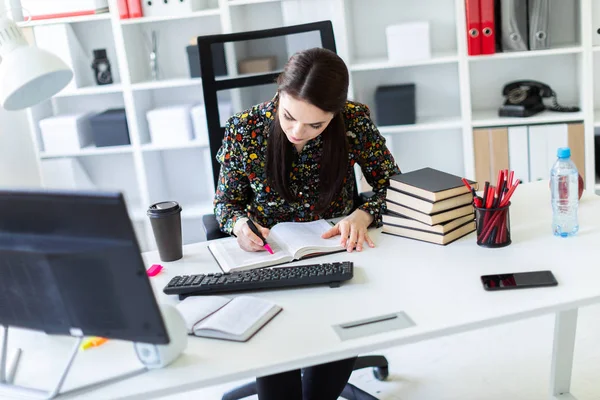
(238, 316)
(297, 235)
(194, 309)
(230, 255)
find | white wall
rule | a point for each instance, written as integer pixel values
(18, 165)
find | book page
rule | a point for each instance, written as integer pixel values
(237, 317)
(195, 308)
(232, 257)
(303, 238)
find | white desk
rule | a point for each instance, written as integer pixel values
(438, 287)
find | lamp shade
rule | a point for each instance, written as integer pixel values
(28, 75)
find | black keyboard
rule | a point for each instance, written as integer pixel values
(260, 279)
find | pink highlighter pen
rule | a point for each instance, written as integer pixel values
(254, 229)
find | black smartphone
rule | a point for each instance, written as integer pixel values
(518, 280)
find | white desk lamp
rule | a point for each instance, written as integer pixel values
(28, 74)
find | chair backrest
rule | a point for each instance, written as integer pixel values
(211, 86)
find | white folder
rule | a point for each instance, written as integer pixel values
(518, 152)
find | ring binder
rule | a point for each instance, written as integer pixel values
(514, 25)
(539, 15)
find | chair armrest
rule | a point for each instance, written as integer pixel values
(211, 227)
(365, 196)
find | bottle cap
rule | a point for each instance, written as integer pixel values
(563, 152)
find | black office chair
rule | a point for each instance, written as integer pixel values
(210, 87)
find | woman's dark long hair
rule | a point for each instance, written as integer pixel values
(319, 77)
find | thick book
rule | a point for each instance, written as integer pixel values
(430, 184)
(443, 228)
(218, 317)
(431, 237)
(430, 219)
(289, 241)
(427, 206)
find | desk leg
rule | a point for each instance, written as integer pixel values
(565, 327)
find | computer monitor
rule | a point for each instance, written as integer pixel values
(70, 264)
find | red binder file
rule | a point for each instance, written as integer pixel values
(123, 9)
(135, 8)
(488, 27)
(473, 27)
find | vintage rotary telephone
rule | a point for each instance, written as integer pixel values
(524, 99)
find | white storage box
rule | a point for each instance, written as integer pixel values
(66, 132)
(160, 8)
(170, 125)
(408, 41)
(199, 120)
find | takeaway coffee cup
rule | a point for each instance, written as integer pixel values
(165, 218)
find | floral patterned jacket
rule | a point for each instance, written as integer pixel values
(243, 190)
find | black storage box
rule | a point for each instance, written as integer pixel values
(109, 128)
(219, 64)
(395, 104)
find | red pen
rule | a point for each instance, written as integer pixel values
(254, 229)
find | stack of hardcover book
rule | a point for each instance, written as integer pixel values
(429, 205)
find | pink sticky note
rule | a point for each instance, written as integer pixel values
(154, 269)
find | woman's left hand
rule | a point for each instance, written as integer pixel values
(353, 230)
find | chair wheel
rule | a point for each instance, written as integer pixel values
(381, 373)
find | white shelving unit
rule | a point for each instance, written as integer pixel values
(455, 92)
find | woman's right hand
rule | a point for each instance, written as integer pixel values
(247, 239)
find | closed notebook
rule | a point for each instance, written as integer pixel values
(219, 317)
(289, 241)
(430, 184)
(443, 228)
(430, 219)
(431, 237)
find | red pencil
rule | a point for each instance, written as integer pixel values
(509, 194)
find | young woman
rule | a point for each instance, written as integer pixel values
(292, 159)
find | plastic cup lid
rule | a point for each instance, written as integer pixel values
(163, 207)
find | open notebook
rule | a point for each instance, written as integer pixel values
(220, 317)
(289, 241)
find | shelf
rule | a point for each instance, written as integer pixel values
(530, 53)
(384, 63)
(596, 48)
(246, 2)
(90, 151)
(196, 14)
(597, 118)
(91, 90)
(423, 124)
(167, 83)
(490, 118)
(159, 147)
(66, 20)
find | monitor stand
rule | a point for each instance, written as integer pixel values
(7, 375)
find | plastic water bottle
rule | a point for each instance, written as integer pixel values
(564, 186)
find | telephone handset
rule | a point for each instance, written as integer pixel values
(524, 99)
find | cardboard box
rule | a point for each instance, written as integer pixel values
(257, 65)
(171, 124)
(65, 133)
(110, 128)
(160, 8)
(408, 41)
(396, 104)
